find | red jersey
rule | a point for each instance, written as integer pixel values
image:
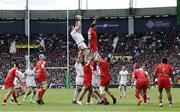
(94, 65)
(93, 38)
(87, 72)
(40, 75)
(11, 75)
(87, 75)
(164, 70)
(140, 75)
(104, 69)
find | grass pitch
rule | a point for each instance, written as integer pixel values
(60, 100)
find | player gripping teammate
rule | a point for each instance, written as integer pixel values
(79, 39)
(9, 83)
(79, 80)
(86, 83)
(123, 79)
(30, 83)
(164, 73)
(41, 73)
(104, 66)
(141, 84)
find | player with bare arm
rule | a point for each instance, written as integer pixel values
(41, 74)
(9, 83)
(164, 73)
(79, 39)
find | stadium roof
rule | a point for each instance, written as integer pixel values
(84, 4)
(61, 14)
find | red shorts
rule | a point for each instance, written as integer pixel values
(164, 83)
(9, 85)
(93, 48)
(87, 83)
(142, 84)
(105, 81)
(41, 79)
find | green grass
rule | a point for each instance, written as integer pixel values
(60, 100)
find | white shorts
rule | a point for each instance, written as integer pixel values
(82, 45)
(102, 89)
(79, 80)
(30, 83)
(122, 84)
(17, 85)
(95, 80)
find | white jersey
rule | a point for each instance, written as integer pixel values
(80, 74)
(123, 77)
(17, 83)
(77, 37)
(79, 69)
(30, 78)
(96, 77)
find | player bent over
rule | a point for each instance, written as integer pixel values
(41, 73)
(19, 87)
(30, 83)
(79, 80)
(141, 84)
(86, 83)
(123, 79)
(104, 66)
(164, 73)
(9, 83)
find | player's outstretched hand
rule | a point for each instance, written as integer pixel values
(97, 17)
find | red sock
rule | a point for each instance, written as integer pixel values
(14, 97)
(4, 100)
(88, 98)
(42, 93)
(145, 98)
(39, 95)
(137, 96)
(105, 100)
(113, 97)
(80, 99)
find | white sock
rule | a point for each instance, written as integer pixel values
(32, 96)
(124, 93)
(76, 94)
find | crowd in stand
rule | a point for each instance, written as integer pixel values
(146, 49)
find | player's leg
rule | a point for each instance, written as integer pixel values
(160, 90)
(8, 94)
(124, 92)
(84, 90)
(145, 94)
(121, 88)
(138, 93)
(28, 92)
(89, 95)
(33, 91)
(168, 91)
(44, 87)
(110, 94)
(97, 94)
(160, 96)
(103, 95)
(76, 93)
(169, 96)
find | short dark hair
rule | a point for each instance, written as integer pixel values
(92, 25)
(164, 60)
(108, 59)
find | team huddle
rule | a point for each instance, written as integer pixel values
(93, 75)
(21, 82)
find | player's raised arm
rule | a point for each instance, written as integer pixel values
(95, 19)
(78, 22)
